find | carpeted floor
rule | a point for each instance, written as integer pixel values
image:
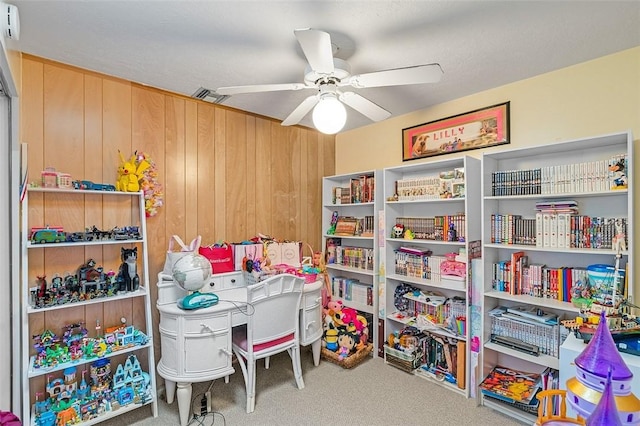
(370, 394)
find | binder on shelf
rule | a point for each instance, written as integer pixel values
(546, 229)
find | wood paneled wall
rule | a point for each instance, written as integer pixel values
(226, 175)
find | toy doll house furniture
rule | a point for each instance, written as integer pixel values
(272, 328)
(546, 416)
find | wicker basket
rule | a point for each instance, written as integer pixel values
(352, 360)
(402, 360)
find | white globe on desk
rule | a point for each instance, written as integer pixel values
(191, 273)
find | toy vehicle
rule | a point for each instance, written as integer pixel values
(91, 186)
(43, 236)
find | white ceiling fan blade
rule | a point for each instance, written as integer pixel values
(256, 88)
(300, 111)
(316, 46)
(418, 74)
(364, 106)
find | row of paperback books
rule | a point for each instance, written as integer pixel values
(353, 257)
(360, 190)
(586, 177)
(437, 228)
(539, 333)
(449, 184)
(562, 230)
(351, 289)
(516, 276)
(424, 266)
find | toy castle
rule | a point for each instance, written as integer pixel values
(601, 371)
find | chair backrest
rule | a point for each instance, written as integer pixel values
(274, 312)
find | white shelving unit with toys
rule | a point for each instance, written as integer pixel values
(351, 203)
(86, 323)
(549, 212)
(432, 230)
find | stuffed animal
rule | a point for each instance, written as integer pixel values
(130, 173)
(346, 342)
(330, 340)
(333, 307)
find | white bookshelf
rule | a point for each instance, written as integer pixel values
(361, 209)
(565, 161)
(420, 208)
(74, 210)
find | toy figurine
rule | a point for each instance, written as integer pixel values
(397, 231)
(128, 278)
(334, 222)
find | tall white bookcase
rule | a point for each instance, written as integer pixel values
(513, 181)
(67, 309)
(359, 207)
(424, 207)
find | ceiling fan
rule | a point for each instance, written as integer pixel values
(328, 75)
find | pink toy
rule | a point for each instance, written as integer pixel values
(452, 267)
(333, 307)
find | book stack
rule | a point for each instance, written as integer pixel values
(512, 386)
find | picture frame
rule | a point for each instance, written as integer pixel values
(480, 128)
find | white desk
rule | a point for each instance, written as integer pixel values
(196, 344)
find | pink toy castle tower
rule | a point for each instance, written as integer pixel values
(598, 363)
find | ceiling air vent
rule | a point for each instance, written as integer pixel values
(209, 96)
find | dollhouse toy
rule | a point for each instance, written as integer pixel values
(70, 402)
(130, 383)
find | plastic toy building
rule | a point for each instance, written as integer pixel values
(600, 361)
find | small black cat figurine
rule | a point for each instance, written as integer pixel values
(128, 278)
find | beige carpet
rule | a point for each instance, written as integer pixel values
(372, 393)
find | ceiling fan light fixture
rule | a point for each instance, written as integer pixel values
(329, 115)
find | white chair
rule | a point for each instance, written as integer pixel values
(272, 327)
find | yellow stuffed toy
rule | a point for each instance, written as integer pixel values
(130, 173)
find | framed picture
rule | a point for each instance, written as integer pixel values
(481, 128)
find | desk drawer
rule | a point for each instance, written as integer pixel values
(310, 325)
(223, 282)
(207, 323)
(169, 323)
(311, 300)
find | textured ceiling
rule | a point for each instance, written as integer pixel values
(181, 46)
